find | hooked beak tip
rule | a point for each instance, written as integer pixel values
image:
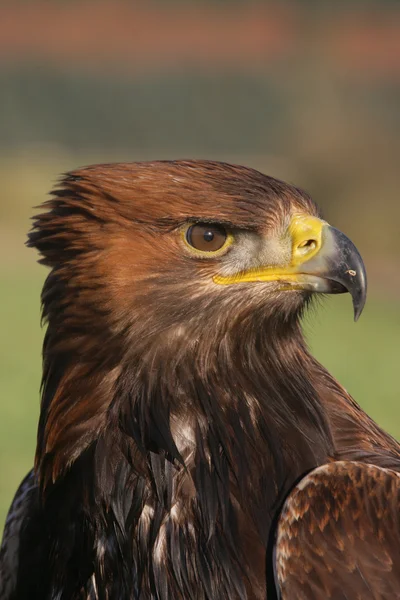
(348, 269)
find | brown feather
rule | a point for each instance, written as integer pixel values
(338, 535)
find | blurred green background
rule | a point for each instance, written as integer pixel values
(306, 91)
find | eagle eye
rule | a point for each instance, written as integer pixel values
(206, 237)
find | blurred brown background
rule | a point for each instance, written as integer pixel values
(307, 91)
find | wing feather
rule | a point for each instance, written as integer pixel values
(338, 535)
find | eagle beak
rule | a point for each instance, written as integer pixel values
(336, 266)
(322, 260)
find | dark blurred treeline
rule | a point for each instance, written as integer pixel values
(200, 113)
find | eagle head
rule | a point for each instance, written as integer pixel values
(164, 278)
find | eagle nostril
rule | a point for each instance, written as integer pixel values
(307, 246)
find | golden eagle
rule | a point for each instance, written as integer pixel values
(189, 446)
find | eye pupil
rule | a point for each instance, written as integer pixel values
(206, 237)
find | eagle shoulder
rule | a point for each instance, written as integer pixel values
(338, 534)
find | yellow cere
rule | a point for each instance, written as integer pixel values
(306, 235)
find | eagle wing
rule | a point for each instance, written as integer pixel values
(338, 535)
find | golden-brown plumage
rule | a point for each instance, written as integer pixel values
(180, 404)
(338, 534)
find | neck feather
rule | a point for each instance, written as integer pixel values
(252, 389)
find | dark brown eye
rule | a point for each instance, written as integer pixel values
(206, 237)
